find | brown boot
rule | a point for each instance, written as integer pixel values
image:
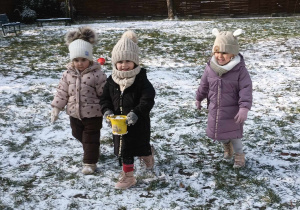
(126, 180)
(148, 161)
(239, 160)
(228, 150)
(88, 168)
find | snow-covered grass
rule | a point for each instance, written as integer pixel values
(40, 165)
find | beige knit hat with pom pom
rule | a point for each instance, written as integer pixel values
(81, 43)
(126, 49)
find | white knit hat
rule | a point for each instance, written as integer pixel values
(126, 49)
(81, 48)
(226, 41)
(81, 42)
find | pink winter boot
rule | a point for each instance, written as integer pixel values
(239, 160)
(126, 180)
(148, 161)
(228, 150)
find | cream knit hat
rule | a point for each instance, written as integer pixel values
(81, 43)
(226, 41)
(126, 49)
(81, 48)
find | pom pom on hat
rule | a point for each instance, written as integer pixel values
(85, 33)
(81, 43)
(126, 49)
(70, 37)
(131, 35)
(226, 41)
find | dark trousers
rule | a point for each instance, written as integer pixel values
(128, 160)
(87, 131)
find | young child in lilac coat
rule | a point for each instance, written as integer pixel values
(227, 86)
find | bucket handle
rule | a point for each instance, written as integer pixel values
(110, 117)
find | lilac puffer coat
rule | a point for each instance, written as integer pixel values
(81, 91)
(225, 96)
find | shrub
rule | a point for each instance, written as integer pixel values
(28, 15)
(32, 9)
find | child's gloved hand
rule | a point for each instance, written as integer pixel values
(54, 114)
(131, 118)
(241, 115)
(198, 105)
(106, 114)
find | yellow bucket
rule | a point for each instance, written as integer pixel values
(118, 124)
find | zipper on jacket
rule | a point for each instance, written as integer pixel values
(121, 102)
(218, 107)
(121, 136)
(78, 92)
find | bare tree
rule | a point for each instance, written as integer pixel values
(170, 9)
(69, 8)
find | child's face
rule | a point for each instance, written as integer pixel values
(223, 58)
(81, 63)
(125, 65)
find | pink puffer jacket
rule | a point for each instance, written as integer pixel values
(225, 95)
(80, 91)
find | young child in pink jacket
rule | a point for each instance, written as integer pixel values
(79, 89)
(227, 86)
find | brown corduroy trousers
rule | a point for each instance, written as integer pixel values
(87, 131)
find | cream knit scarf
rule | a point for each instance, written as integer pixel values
(125, 78)
(220, 70)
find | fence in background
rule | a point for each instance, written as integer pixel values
(184, 9)
(235, 7)
(194, 8)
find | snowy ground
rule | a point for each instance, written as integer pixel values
(40, 162)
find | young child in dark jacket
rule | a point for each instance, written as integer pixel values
(129, 92)
(227, 85)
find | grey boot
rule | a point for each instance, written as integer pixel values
(88, 168)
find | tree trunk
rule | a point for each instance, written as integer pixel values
(170, 9)
(69, 8)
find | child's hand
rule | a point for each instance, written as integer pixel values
(54, 114)
(241, 116)
(106, 114)
(198, 105)
(131, 118)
